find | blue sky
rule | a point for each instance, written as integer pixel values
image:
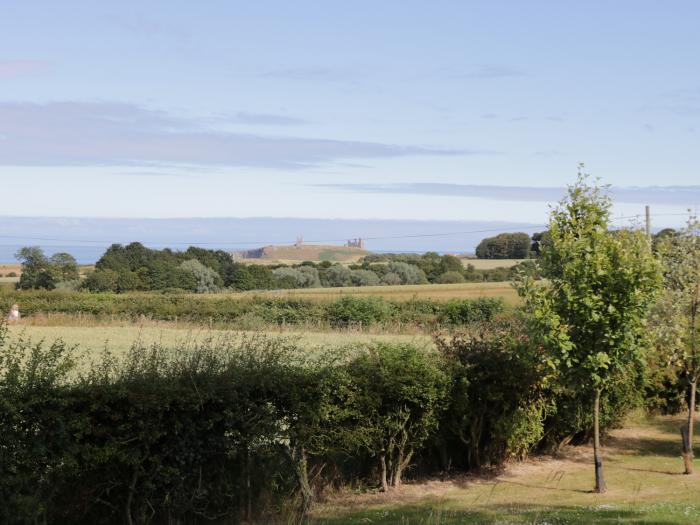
(442, 110)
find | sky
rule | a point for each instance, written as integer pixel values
(385, 110)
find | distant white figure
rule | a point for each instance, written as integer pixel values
(14, 313)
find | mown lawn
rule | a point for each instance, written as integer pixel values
(643, 470)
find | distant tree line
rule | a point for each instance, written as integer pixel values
(134, 267)
(517, 245)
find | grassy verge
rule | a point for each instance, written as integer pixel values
(643, 470)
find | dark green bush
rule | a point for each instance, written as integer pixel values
(499, 398)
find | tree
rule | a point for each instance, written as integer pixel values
(364, 278)
(208, 281)
(592, 308)
(539, 239)
(36, 269)
(450, 277)
(680, 253)
(505, 246)
(64, 267)
(336, 276)
(408, 273)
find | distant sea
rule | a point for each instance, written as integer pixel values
(87, 238)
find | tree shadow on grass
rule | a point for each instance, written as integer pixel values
(513, 514)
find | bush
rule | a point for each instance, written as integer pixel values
(364, 278)
(460, 311)
(349, 311)
(499, 399)
(229, 431)
(450, 277)
(401, 393)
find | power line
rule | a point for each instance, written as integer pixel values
(287, 241)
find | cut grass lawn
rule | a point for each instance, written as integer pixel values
(643, 471)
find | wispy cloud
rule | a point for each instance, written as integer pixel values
(16, 68)
(111, 134)
(671, 195)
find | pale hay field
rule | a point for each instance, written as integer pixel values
(118, 339)
(442, 292)
(490, 264)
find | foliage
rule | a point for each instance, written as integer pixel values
(208, 281)
(64, 267)
(500, 396)
(592, 310)
(240, 311)
(401, 391)
(37, 271)
(505, 246)
(407, 273)
(678, 318)
(301, 277)
(450, 277)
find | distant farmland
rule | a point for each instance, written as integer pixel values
(490, 264)
(443, 292)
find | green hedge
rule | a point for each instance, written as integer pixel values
(229, 309)
(252, 428)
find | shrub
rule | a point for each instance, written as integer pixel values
(499, 396)
(460, 311)
(363, 311)
(401, 391)
(450, 277)
(364, 278)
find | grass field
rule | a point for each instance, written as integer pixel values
(424, 291)
(490, 264)
(119, 339)
(643, 471)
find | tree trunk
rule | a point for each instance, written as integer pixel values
(304, 485)
(130, 497)
(382, 463)
(248, 486)
(687, 433)
(401, 464)
(597, 457)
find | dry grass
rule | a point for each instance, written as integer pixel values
(7, 268)
(441, 292)
(490, 264)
